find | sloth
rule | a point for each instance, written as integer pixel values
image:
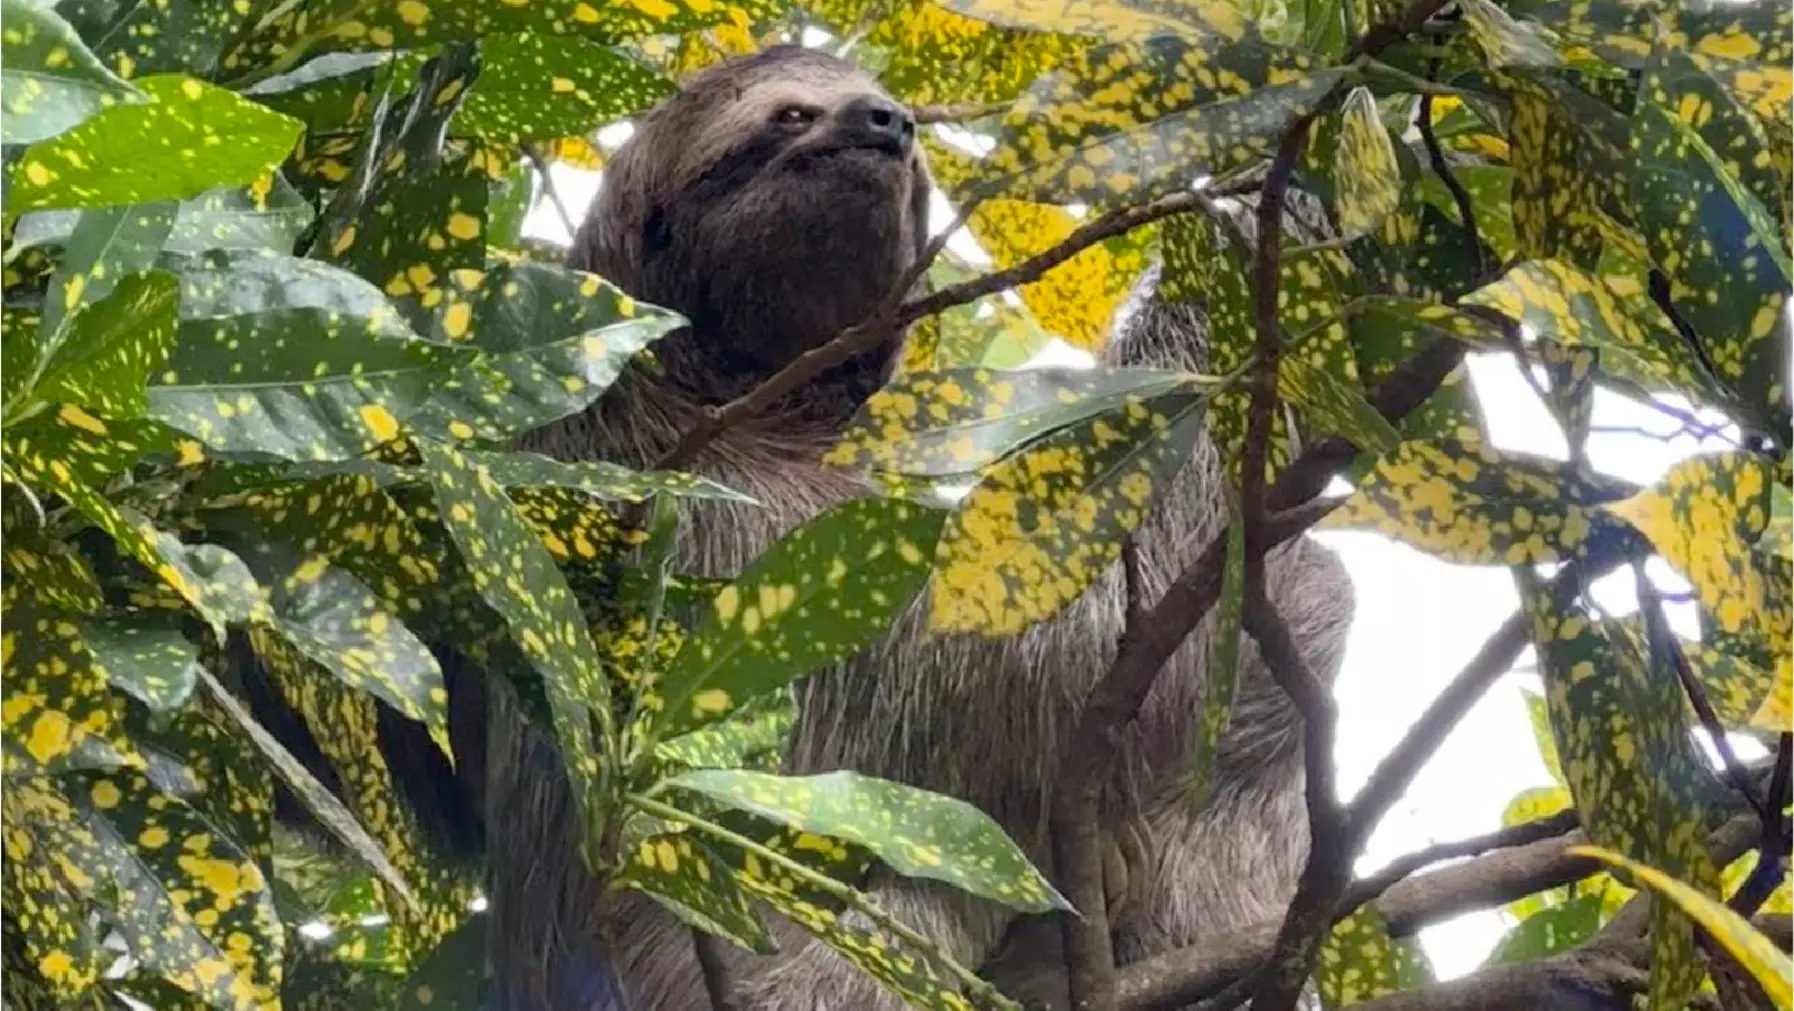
(775, 201)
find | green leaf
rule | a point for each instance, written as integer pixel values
(104, 247)
(1570, 166)
(1504, 41)
(169, 36)
(1471, 504)
(1334, 407)
(1550, 931)
(1367, 179)
(552, 339)
(170, 149)
(1136, 120)
(1703, 517)
(957, 421)
(1359, 960)
(49, 80)
(1759, 956)
(517, 577)
(543, 87)
(1046, 523)
(752, 736)
(1617, 713)
(917, 833)
(820, 594)
(148, 658)
(113, 346)
(186, 892)
(1223, 671)
(334, 620)
(269, 215)
(1109, 18)
(317, 798)
(45, 904)
(1719, 247)
(1490, 188)
(49, 572)
(1540, 718)
(599, 478)
(683, 875)
(58, 714)
(346, 727)
(292, 358)
(456, 975)
(1562, 303)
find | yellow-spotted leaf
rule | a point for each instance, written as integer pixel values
(681, 874)
(1703, 517)
(324, 805)
(551, 340)
(937, 55)
(46, 888)
(1046, 523)
(147, 658)
(104, 247)
(1367, 180)
(112, 347)
(1567, 305)
(215, 582)
(58, 714)
(49, 79)
(958, 421)
(336, 622)
(346, 726)
(517, 576)
(1334, 408)
(820, 594)
(1551, 930)
(1721, 249)
(1618, 716)
(1768, 964)
(1504, 41)
(1490, 188)
(170, 148)
(752, 737)
(1360, 960)
(1222, 674)
(915, 832)
(1742, 693)
(1471, 504)
(1132, 121)
(1076, 300)
(171, 36)
(1109, 19)
(267, 215)
(48, 572)
(292, 358)
(542, 87)
(191, 906)
(1748, 48)
(1570, 163)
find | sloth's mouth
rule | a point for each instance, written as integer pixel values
(892, 149)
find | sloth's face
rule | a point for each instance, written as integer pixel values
(806, 113)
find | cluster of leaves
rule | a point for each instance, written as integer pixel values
(270, 329)
(332, 194)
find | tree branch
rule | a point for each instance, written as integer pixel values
(1436, 157)
(926, 114)
(1177, 978)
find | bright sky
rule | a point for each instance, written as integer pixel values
(1418, 622)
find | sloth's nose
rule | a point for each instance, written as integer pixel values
(879, 121)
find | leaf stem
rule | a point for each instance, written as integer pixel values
(985, 994)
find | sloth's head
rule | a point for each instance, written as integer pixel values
(774, 201)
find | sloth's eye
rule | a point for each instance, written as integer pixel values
(794, 115)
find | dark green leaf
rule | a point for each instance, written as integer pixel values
(957, 421)
(1046, 523)
(1222, 673)
(819, 594)
(685, 877)
(1359, 960)
(113, 346)
(553, 340)
(543, 87)
(292, 358)
(1550, 931)
(917, 833)
(105, 247)
(149, 659)
(49, 80)
(167, 36)
(58, 714)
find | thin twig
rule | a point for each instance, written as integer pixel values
(1663, 643)
(540, 164)
(1369, 889)
(926, 114)
(1436, 157)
